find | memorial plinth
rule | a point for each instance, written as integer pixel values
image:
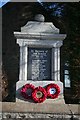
(40, 44)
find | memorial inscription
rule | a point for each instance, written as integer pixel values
(39, 64)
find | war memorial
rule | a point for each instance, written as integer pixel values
(39, 89)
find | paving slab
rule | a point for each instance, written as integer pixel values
(29, 115)
(74, 108)
(76, 117)
(37, 108)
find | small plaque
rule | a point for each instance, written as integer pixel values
(39, 64)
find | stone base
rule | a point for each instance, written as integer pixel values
(19, 85)
(59, 100)
(40, 108)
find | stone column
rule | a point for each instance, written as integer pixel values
(58, 52)
(23, 61)
(56, 71)
(25, 56)
(52, 67)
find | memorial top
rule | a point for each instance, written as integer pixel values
(39, 17)
(39, 30)
(39, 26)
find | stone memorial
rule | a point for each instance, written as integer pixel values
(40, 44)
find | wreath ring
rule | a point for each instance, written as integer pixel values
(39, 94)
(27, 90)
(53, 90)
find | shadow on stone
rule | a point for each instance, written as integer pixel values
(19, 97)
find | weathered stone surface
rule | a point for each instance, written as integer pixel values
(27, 116)
(36, 108)
(39, 27)
(74, 108)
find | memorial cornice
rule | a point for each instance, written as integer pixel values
(39, 36)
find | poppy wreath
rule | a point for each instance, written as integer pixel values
(39, 94)
(53, 90)
(27, 90)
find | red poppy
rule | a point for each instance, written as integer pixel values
(39, 94)
(27, 90)
(53, 90)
